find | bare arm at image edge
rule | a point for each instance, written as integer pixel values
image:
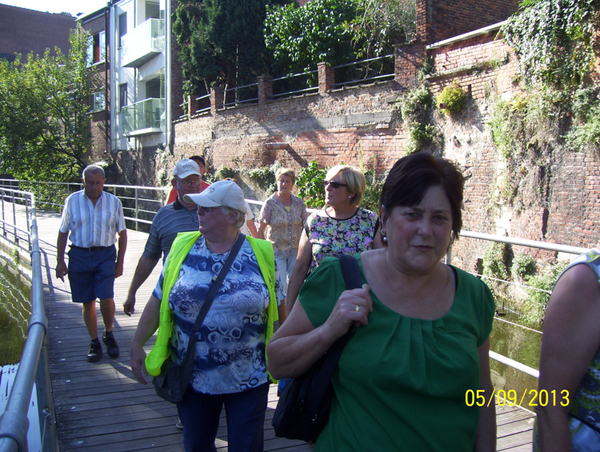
(299, 270)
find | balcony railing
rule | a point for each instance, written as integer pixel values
(143, 43)
(144, 117)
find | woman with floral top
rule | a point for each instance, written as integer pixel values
(340, 227)
(284, 214)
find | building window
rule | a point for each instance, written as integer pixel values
(152, 10)
(153, 89)
(122, 28)
(97, 102)
(96, 48)
(122, 96)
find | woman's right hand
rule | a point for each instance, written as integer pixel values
(352, 307)
(297, 344)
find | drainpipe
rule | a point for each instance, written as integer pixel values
(168, 93)
(107, 37)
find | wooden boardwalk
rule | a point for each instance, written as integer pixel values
(101, 407)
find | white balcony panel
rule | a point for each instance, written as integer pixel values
(143, 43)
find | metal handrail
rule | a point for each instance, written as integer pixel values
(365, 79)
(298, 91)
(236, 90)
(525, 242)
(133, 214)
(14, 423)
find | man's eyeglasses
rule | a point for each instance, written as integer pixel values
(333, 184)
(190, 182)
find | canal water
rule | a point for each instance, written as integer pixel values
(523, 345)
(15, 311)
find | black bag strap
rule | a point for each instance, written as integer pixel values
(352, 278)
(350, 271)
(210, 296)
(212, 293)
(307, 230)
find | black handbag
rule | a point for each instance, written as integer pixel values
(173, 380)
(303, 408)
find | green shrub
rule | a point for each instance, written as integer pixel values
(586, 114)
(496, 266)
(310, 185)
(415, 110)
(264, 178)
(496, 261)
(523, 266)
(535, 306)
(223, 173)
(451, 99)
(416, 105)
(419, 137)
(554, 40)
(372, 196)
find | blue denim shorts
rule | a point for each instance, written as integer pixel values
(92, 273)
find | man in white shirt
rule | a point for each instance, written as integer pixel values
(94, 218)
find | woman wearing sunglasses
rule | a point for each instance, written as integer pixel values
(342, 226)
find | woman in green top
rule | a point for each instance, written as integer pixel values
(422, 341)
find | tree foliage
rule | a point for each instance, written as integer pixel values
(299, 38)
(336, 31)
(383, 24)
(310, 185)
(221, 42)
(44, 119)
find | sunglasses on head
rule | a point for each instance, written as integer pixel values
(333, 184)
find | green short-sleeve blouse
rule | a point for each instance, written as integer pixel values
(401, 382)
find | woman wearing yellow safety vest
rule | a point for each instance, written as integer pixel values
(229, 362)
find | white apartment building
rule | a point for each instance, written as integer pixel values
(131, 46)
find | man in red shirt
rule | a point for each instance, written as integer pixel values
(200, 161)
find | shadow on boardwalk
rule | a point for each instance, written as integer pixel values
(101, 407)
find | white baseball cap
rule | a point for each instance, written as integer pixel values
(185, 168)
(224, 193)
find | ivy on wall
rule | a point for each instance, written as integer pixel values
(555, 43)
(415, 108)
(559, 108)
(554, 40)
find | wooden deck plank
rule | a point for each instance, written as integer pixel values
(101, 407)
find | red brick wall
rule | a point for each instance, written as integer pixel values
(448, 18)
(100, 121)
(244, 134)
(358, 126)
(24, 31)
(559, 202)
(470, 63)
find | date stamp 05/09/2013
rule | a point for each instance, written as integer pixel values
(531, 398)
